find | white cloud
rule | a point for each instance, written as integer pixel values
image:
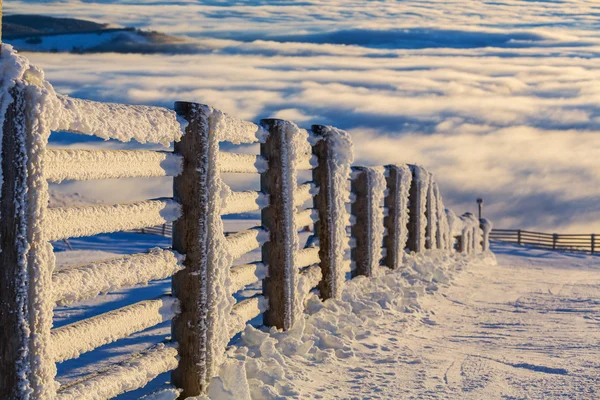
(498, 100)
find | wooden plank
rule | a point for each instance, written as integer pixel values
(308, 256)
(277, 218)
(245, 311)
(246, 274)
(126, 376)
(303, 193)
(304, 218)
(190, 238)
(80, 337)
(241, 202)
(243, 242)
(240, 163)
(146, 124)
(312, 275)
(65, 222)
(87, 281)
(84, 165)
(303, 163)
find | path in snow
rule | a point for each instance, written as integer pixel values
(526, 328)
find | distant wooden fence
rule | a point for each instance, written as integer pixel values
(202, 258)
(552, 241)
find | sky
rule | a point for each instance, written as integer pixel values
(499, 99)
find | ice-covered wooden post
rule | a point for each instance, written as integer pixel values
(431, 215)
(27, 368)
(486, 226)
(398, 180)
(333, 150)
(417, 220)
(368, 187)
(442, 234)
(460, 244)
(190, 238)
(279, 253)
(14, 275)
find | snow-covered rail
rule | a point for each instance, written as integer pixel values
(308, 256)
(305, 218)
(241, 163)
(242, 202)
(393, 210)
(90, 280)
(304, 193)
(86, 335)
(246, 274)
(243, 242)
(81, 165)
(123, 377)
(65, 222)
(244, 311)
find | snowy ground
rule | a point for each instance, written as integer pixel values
(446, 328)
(526, 328)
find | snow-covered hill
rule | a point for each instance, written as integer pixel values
(49, 34)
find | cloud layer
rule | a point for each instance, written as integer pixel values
(500, 100)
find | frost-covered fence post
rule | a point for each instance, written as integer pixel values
(398, 180)
(465, 239)
(431, 214)
(486, 227)
(27, 368)
(198, 328)
(13, 274)
(593, 243)
(368, 187)
(417, 220)
(460, 244)
(279, 253)
(333, 149)
(442, 234)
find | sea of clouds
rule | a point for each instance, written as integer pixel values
(500, 99)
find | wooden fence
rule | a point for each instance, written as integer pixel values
(202, 258)
(553, 241)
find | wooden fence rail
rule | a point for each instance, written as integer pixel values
(553, 241)
(391, 211)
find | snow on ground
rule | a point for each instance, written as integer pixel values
(525, 328)
(442, 328)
